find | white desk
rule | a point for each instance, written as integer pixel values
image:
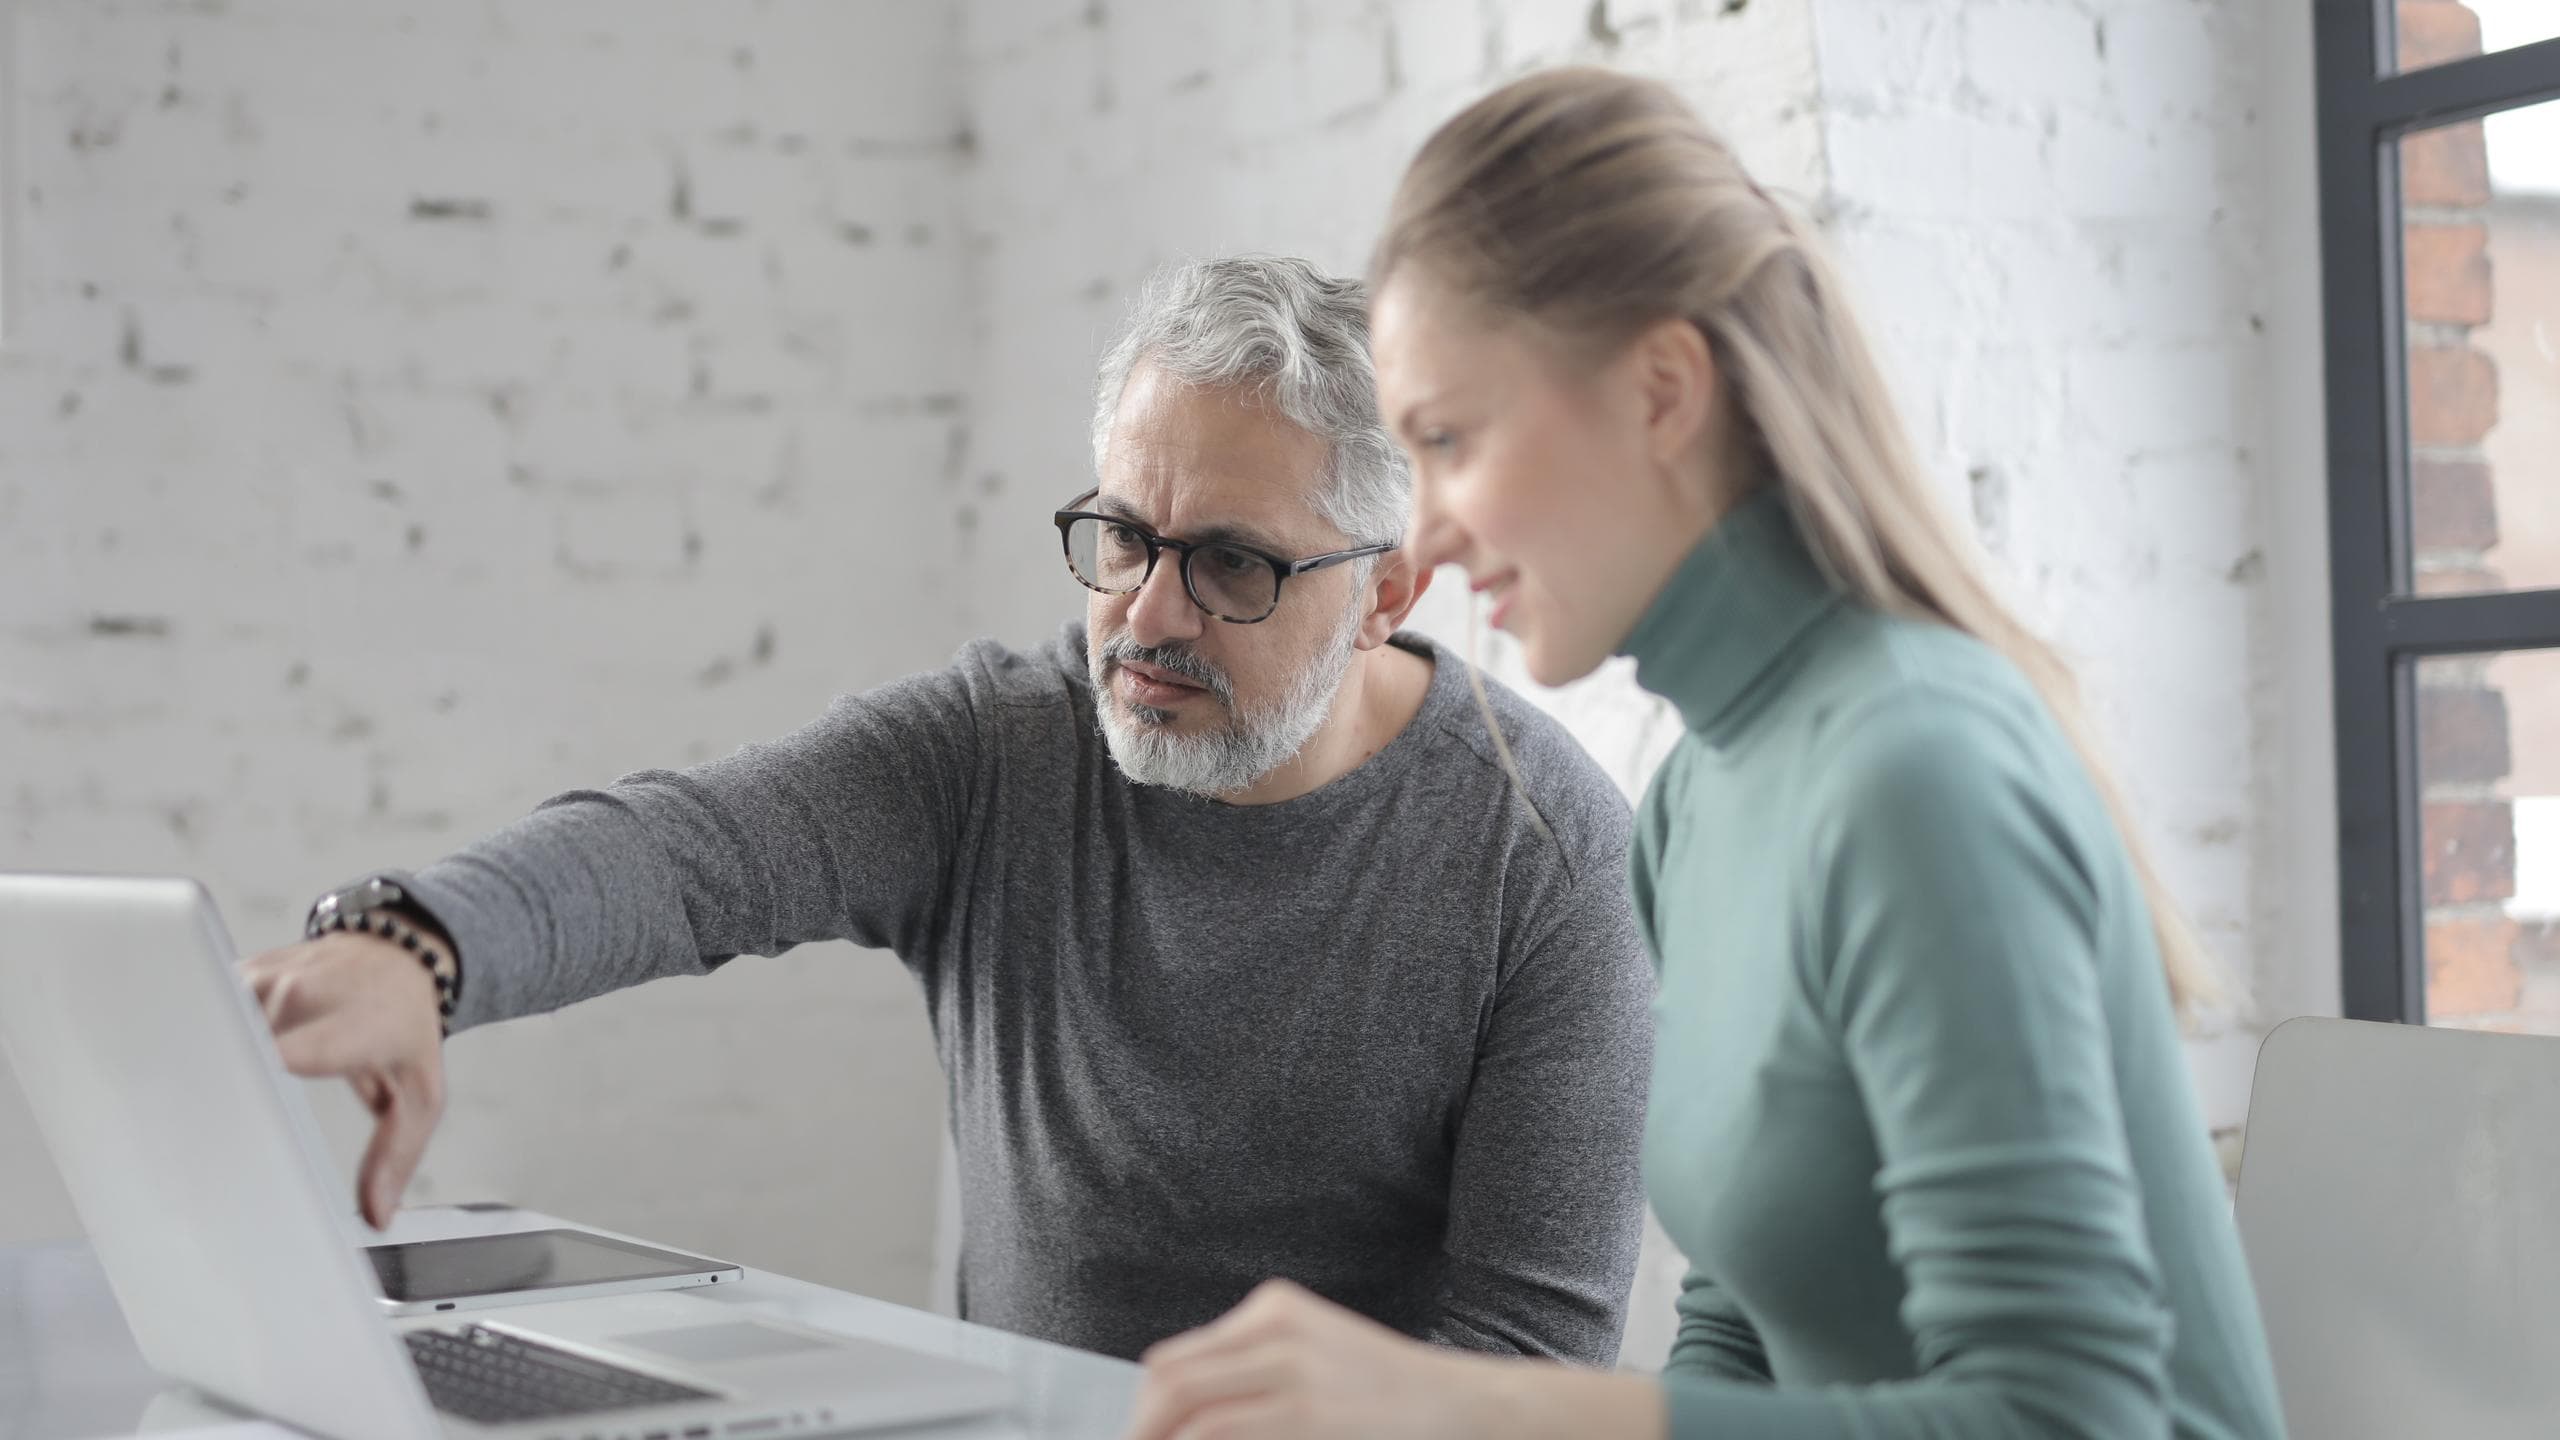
(69, 1370)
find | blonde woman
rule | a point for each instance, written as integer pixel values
(1920, 1115)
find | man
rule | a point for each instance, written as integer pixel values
(1244, 956)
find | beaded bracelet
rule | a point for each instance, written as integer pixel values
(408, 937)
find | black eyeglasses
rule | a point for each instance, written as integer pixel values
(1235, 583)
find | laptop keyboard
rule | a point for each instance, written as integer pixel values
(491, 1377)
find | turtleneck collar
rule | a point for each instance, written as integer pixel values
(1729, 612)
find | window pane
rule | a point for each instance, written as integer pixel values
(2489, 777)
(2480, 272)
(2433, 32)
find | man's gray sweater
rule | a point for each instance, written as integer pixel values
(1388, 1039)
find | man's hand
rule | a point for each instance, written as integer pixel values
(360, 1008)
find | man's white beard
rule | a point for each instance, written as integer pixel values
(1255, 741)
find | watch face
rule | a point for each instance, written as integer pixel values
(358, 898)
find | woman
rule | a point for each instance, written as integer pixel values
(1920, 1116)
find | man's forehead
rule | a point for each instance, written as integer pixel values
(1189, 508)
(1183, 458)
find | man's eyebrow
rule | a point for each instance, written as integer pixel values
(1245, 535)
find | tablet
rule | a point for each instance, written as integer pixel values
(430, 1276)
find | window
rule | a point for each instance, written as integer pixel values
(2439, 126)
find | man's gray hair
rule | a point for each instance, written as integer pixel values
(1298, 340)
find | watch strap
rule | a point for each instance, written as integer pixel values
(378, 906)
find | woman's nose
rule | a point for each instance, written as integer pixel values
(1435, 540)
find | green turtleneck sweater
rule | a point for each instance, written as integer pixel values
(1921, 1118)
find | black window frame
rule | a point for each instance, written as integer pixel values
(2379, 631)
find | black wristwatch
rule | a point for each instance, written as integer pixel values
(377, 905)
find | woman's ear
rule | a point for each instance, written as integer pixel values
(1676, 374)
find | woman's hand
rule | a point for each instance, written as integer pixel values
(1287, 1364)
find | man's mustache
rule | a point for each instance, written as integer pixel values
(1182, 663)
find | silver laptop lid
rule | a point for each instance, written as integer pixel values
(191, 1156)
(2400, 1200)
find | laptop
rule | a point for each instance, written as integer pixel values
(2400, 1202)
(200, 1175)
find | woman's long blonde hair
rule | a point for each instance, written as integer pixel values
(1595, 204)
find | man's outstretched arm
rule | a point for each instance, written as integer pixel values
(843, 829)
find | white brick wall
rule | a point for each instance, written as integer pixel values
(2081, 246)
(418, 409)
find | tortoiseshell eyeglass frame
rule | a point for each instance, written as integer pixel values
(1281, 570)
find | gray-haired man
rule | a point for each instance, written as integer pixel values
(1244, 956)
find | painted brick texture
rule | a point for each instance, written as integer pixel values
(416, 410)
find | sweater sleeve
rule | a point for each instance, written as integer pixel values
(1950, 911)
(1546, 1192)
(843, 829)
(1715, 1341)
